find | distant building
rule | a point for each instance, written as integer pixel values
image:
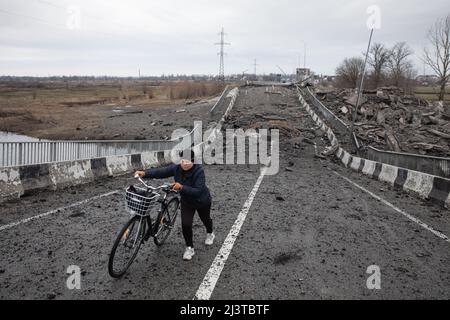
(303, 73)
(426, 80)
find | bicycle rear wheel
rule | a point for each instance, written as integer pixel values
(166, 220)
(126, 246)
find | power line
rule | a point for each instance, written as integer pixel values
(92, 16)
(51, 24)
(50, 3)
(222, 43)
(33, 18)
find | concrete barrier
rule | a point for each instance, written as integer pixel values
(149, 159)
(99, 168)
(21, 180)
(424, 185)
(69, 173)
(118, 164)
(10, 184)
(211, 144)
(35, 177)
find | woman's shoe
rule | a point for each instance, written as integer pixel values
(210, 239)
(188, 254)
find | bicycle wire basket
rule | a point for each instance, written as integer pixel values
(140, 201)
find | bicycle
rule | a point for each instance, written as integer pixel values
(141, 202)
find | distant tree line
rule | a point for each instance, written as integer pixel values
(170, 77)
(386, 67)
(393, 66)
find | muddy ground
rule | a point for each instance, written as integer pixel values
(309, 234)
(131, 121)
(99, 111)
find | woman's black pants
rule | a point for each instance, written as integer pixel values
(187, 217)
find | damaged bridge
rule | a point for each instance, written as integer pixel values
(311, 231)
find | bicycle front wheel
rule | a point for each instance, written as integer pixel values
(166, 221)
(126, 246)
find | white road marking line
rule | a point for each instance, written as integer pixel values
(407, 215)
(42, 215)
(208, 284)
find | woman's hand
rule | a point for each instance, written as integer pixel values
(139, 174)
(177, 186)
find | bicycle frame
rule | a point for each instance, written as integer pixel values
(152, 227)
(140, 217)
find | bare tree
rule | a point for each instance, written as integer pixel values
(348, 71)
(378, 58)
(409, 82)
(398, 64)
(438, 58)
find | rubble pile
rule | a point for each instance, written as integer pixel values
(261, 108)
(390, 120)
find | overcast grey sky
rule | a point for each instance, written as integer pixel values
(112, 37)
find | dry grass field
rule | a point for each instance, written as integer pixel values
(431, 93)
(59, 110)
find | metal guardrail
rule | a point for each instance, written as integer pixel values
(428, 164)
(433, 165)
(269, 83)
(222, 97)
(337, 123)
(37, 152)
(28, 153)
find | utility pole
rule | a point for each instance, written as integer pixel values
(285, 74)
(243, 73)
(304, 56)
(282, 70)
(361, 84)
(255, 65)
(222, 43)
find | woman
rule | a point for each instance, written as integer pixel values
(195, 196)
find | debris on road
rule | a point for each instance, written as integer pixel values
(390, 120)
(329, 151)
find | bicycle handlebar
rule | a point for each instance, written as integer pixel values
(164, 186)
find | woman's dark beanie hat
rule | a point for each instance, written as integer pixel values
(188, 154)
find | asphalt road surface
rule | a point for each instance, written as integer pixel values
(310, 232)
